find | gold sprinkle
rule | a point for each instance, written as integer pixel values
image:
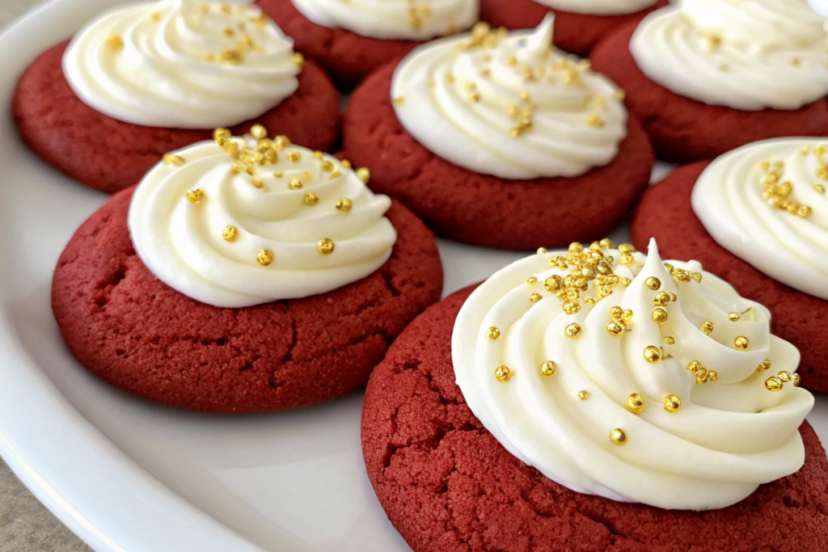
(819, 188)
(170, 159)
(229, 233)
(542, 251)
(764, 365)
(660, 315)
(548, 368)
(344, 205)
(492, 333)
(229, 32)
(399, 100)
(195, 196)
(115, 42)
(594, 120)
(635, 403)
(231, 56)
(773, 384)
(257, 182)
(616, 328)
(707, 327)
(294, 184)
(618, 436)
(531, 280)
(264, 257)
(294, 156)
(652, 354)
(572, 330)
(298, 60)
(653, 283)
(734, 316)
(583, 395)
(258, 132)
(278, 174)
(156, 17)
(535, 297)
(742, 343)
(511, 61)
(345, 163)
(326, 246)
(503, 373)
(364, 174)
(672, 403)
(669, 340)
(311, 198)
(474, 97)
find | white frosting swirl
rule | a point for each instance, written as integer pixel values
(820, 6)
(598, 7)
(393, 19)
(736, 207)
(744, 55)
(181, 64)
(728, 436)
(182, 242)
(509, 106)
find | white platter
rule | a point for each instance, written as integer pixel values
(129, 475)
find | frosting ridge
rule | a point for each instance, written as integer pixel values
(765, 203)
(744, 55)
(641, 381)
(248, 221)
(598, 7)
(182, 64)
(509, 105)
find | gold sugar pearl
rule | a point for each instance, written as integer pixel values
(327, 165)
(535, 297)
(548, 368)
(229, 233)
(626, 248)
(673, 297)
(231, 56)
(311, 199)
(258, 132)
(571, 307)
(713, 375)
(618, 436)
(734, 316)
(553, 283)
(344, 205)
(627, 315)
(531, 280)
(195, 196)
(652, 354)
(605, 243)
(503, 373)
(784, 376)
(364, 174)
(345, 163)
(796, 380)
(707, 327)
(742, 343)
(294, 184)
(819, 188)
(492, 333)
(653, 283)
(294, 156)
(616, 312)
(764, 365)
(281, 142)
(115, 42)
(399, 100)
(265, 257)
(278, 174)
(171, 159)
(583, 395)
(616, 329)
(298, 60)
(661, 299)
(635, 403)
(672, 403)
(773, 384)
(221, 136)
(257, 182)
(326, 246)
(660, 315)
(572, 330)
(669, 340)
(542, 251)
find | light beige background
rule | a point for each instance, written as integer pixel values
(25, 525)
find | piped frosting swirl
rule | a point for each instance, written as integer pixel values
(637, 380)
(598, 7)
(509, 105)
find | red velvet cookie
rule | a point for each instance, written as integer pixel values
(577, 33)
(685, 130)
(448, 485)
(666, 214)
(482, 209)
(345, 55)
(111, 155)
(136, 333)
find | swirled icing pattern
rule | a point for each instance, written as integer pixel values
(393, 19)
(598, 7)
(509, 105)
(182, 64)
(630, 408)
(820, 6)
(744, 55)
(765, 203)
(244, 231)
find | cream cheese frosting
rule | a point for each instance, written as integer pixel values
(240, 222)
(820, 6)
(393, 19)
(509, 105)
(620, 375)
(765, 203)
(182, 64)
(744, 55)
(598, 7)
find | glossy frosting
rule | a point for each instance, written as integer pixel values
(182, 64)
(508, 105)
(598, 7)
(393, 19)
(747, 55)
(186, 244)
(743, 205)
(727, 437)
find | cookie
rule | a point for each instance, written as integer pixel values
(577, 33)
(111, 155)
(482, 209)
(684, 130)
(345, 55)
(136, 333)
(447, 484)
(666, 214)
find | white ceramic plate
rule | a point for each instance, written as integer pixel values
(130, 475)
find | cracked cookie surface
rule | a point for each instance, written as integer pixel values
(448, 486)
(110, 155)
(486, 210)
(135, 332)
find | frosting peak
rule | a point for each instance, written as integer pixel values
(744, 55)
(766, 203)
(182, 64)
(244, 221)
(623, 376)
(393, 19)
(509, 105)
(599, 7)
